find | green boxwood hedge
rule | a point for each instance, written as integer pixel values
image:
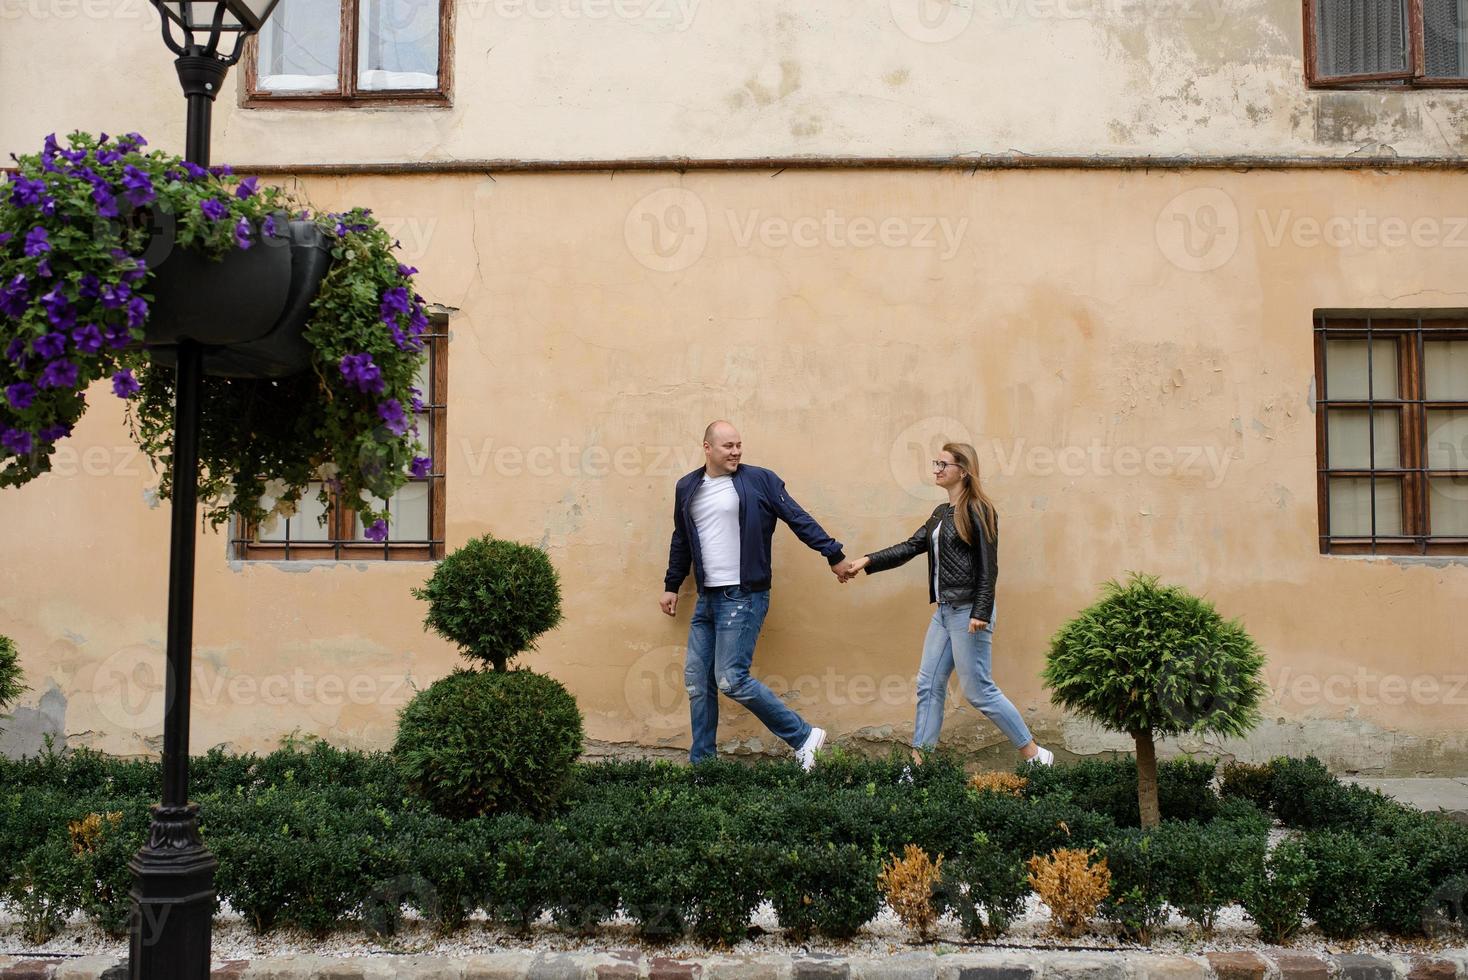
(318, 838)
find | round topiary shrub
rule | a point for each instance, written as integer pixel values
(493, 598)
(478, 742)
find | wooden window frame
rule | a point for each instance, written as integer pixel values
(347, 95)
(1413, 76)
(342, 521)
(1408, 331)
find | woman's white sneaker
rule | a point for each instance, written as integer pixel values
(1045, 757)
(807, 752)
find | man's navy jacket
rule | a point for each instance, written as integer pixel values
(762, 498)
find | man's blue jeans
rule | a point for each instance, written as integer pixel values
(726, 624)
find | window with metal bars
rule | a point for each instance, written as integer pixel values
(1369, 43)
(416, 530)
(1392, 433)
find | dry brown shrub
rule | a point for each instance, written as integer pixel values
(908, 884)
(1071, 886)
(87, 832)
(998, 782)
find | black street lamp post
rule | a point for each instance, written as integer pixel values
(173, 874)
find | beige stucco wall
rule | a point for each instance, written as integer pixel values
(1139, 402)
(613, 79)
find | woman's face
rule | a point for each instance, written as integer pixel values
(946, 472)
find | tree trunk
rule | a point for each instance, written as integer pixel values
(1147, 779)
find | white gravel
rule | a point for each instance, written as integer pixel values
(233, 939)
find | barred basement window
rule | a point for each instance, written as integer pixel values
(1370, 43)
(1392, 432)
(416, 530)
(326, 53)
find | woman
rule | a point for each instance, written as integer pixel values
(961, 540)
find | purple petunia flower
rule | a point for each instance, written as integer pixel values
(214, 209)
(391, 412)
(59, 309)
(194, 171)
(223, 170)
(51, 345)
(124, 385)
(53, 432)
(25, 192)
(106, 203)
(58, 374)
(377, 532)
(360, 372)
(108, 157)
(420, 467)
(88, 338)
(117, 336)
(130, 142)
(43, 268)
(406, 270)
(13, 297)
(114, 297)
(37, 240)
(137, 312)
(89, 287)
(242, 233)
(246, 190)
(137, 185)
(394, 303)
(20, 395)
(417, 399)
(17, 441)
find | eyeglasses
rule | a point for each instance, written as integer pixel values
(941, 465)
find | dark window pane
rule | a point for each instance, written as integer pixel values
(1445, 37)
(1357, 37)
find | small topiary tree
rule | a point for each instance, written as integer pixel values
(1152, 661)
(11, 687)
(493, 598)
(491, 739)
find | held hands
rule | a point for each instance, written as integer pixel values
(669, 603)
(847, 570)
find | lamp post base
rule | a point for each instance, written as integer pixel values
(172, 899)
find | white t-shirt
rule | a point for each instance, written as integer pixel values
(716, 515)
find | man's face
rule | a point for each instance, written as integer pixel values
(723, 454)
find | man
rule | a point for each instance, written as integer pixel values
(723, 519)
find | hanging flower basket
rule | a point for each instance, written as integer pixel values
(250, 308)
(312, 329)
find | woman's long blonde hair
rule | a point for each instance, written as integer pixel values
(970, 492)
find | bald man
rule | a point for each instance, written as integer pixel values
(723, 520)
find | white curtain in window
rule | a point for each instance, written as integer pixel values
(1445, 36)
(1446, 368)
(397, 45)
(407, 514)
(304, 525)
(1350, 506)
(300, 47)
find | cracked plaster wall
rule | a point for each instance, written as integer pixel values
(1066, 324)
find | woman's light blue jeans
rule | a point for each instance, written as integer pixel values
(949, 644)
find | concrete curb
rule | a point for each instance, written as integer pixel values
(634, 964)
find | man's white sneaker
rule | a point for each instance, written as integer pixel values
(1045, 757)
(807, 752)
